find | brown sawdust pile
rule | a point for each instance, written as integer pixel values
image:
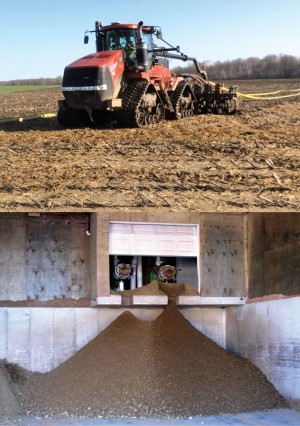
(164, 368)
(157, 288)
(9, 375)
(151, 289)
(181, 289)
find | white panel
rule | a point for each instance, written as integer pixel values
(42, 339)
(18, 336)
(209, 301)
(209, 321)
(115, 299)
(295, 304)
(295, 311)
(268, 333)
(105, 316)
(3, 333)
(149, 300)
(138, 243)
(285, 317)
(86, 326)
(272, 321)
(153, 239)
(147, 314)
(64, 338)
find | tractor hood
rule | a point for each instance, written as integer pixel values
(108, 58)
(96, 76)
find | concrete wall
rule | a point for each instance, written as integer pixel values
(44, 257)
(51, 256)
(274, 253)
(39, 339)
(222, 253)
(268, 333)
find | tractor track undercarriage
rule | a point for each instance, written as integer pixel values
(143, 104)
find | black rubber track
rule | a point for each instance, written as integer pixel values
(131, 100)
(176, 100)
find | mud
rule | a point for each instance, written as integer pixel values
(248, 161)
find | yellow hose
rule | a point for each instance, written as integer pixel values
(262, 96)
(21, 119)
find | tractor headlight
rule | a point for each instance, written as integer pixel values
(85, 88)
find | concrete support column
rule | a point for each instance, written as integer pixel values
(99, 255)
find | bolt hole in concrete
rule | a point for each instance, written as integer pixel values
(164, 371)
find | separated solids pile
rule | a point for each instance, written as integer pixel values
(8, 400)
(157, 288)
(165, 368)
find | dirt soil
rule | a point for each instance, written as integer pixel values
(248, 161)
(164, 368)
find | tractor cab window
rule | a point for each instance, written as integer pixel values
(149, 41)
(122, 40)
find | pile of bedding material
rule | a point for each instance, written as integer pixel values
(9, 403)
(158, 288)
(165, 368)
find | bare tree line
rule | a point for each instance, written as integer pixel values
(271, 66)
(33, 82)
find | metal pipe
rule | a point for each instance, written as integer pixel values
(133, 276)
(140, 32)
(139, 272)
(181, 57)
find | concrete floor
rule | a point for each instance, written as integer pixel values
(259, 418)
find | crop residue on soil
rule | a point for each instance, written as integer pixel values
(164, 368)
(222, 163)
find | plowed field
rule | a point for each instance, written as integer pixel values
(248, 161)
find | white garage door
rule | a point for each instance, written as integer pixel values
(153, 239)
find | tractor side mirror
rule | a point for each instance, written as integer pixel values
(86, 39)
(159, 34)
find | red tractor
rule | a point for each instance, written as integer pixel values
(128, 81)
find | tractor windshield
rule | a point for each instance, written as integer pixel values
(123, 39)
(118, 39)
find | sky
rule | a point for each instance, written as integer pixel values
(39, 38)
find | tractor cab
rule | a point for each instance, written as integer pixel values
(127, 39)
(120, 39)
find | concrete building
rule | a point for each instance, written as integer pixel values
(57, 272)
